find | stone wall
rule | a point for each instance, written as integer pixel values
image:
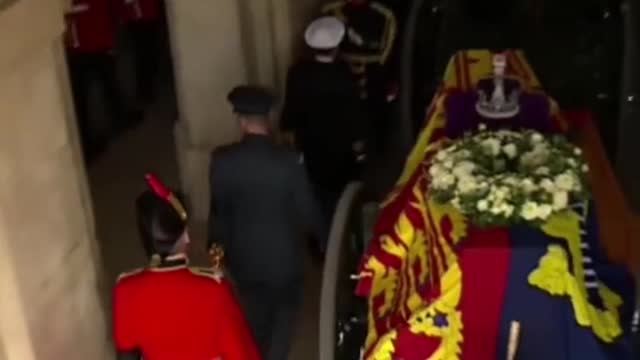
(50, 303)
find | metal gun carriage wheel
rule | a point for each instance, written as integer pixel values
(342, 314)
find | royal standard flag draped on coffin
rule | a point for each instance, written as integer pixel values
(440, 288)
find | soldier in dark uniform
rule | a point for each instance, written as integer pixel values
(167, 310)
(371, 31)
(323, 110)
(261, 201)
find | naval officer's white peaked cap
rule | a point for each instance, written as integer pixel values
(324, 33)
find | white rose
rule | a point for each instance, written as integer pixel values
(465, 154)
(510, 180)
(506, 134)
(542, 170)
(467, 185)
(482, 127)
(436, 183)
(527, 158)
(455, 202)
(528, 186)
(540, 149)
(464, 169)
(448, 179)
(507, 209)
(536, 138)
(577, 151)
(448, 164)
(492, 146)
(565, 182)
(560, 200)
(510, 150)
(501, 193)
(544, 211)
(529, 210)
(482, 205)
(443, 181)
(547, 185)
(585, 168)
(467, 165)
(435, 170)
(572, 162)
(441, 155)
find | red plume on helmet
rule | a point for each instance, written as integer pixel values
(164, 193)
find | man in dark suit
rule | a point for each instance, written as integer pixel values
(369, 49)
(323, 110)
(261, 201)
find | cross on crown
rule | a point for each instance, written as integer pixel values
(504, 102)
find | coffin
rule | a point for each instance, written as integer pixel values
(440, 288)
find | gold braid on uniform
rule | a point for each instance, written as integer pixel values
(388, 36)
(216, 256)
(390, 30)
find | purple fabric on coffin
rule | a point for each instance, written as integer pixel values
(461, 113)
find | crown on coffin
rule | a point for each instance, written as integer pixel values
(498, 98)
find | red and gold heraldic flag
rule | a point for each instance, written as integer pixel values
(425, 291)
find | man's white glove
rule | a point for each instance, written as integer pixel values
(358, 150)
(392, 94)
(79, 8)
(355, 37)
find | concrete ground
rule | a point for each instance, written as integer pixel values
(117, 178)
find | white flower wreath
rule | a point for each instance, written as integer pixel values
(503, 177)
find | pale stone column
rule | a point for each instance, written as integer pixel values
(273, 32)
(217, 45)
(208, 57)
(50, 304)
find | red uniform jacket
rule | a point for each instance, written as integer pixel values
(90, 26)
(140, 10)
(173, 312)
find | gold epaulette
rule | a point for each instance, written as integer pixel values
(127, 274)
(208, 273)
(383, 9)
(390, 30)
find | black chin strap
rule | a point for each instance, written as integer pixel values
(167, 262)
(129, 355)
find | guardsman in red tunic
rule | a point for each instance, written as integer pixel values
(143, 20)
(90, 41)
(168, 310)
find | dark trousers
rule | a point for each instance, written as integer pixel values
(271, 313)
(95, 71)
(379, 124)
(145, 37)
